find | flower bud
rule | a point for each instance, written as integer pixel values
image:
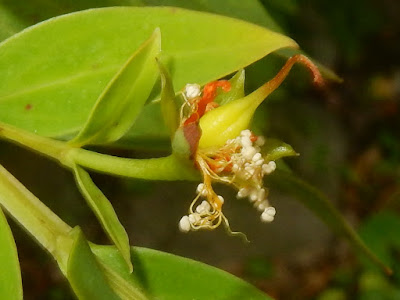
(227, 121)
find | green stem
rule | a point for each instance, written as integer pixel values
(48, 229)
(163, 168)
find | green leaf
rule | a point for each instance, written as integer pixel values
(104, 212)
(236, 91)
(169, 106)
(148, 132)
(122, 100)
(320, 205)
(85, 274)
(53, 73)
(274, 149)
(10, 275)
(384, 245)
(166, 276)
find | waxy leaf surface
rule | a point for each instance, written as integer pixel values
(52, 73)
(166, 276)
(122, 100)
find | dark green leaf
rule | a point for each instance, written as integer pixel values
(10, 274)
(166, 276)
(104, 212)
(320, 205)
(122, 100)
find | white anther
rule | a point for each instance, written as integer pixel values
(235, 168)
(262, 206)
(194, 218)
(270, 210)
(253, 195)
(192, 90)
(245, 133)
(200, 188)
(248, 152)
(269, 167)
(272, 165)
(266, 218)
(256, 157)
(221, 199)
(203, 208)
(260, 141)
(243, 192)
(184, 224)
(259, 162)
(246, 142)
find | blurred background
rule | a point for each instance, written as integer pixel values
(347, 135)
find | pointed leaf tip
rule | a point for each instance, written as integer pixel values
(123, 98)
(104, 212)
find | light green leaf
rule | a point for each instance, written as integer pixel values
(323, 208)
(104, 212)
(169, 106)
(85, 274)
(148, 132)
(10, 274)
(122, 100)
(166, 276)
(274, 149)
(53, 73)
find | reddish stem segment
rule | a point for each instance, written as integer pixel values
(298, 58)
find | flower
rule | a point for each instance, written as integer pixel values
(225, 150)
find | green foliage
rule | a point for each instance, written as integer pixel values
(50, 89)
(60, 86)
(81, 264)
(10, 276)
(167, 276)
(104, 212)
(275, 149)
(123, 98)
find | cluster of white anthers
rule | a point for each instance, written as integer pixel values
(238, 162)
(249, 167)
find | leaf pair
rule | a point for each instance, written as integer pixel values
(100, 272)
(113, 114)
(50, 87)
